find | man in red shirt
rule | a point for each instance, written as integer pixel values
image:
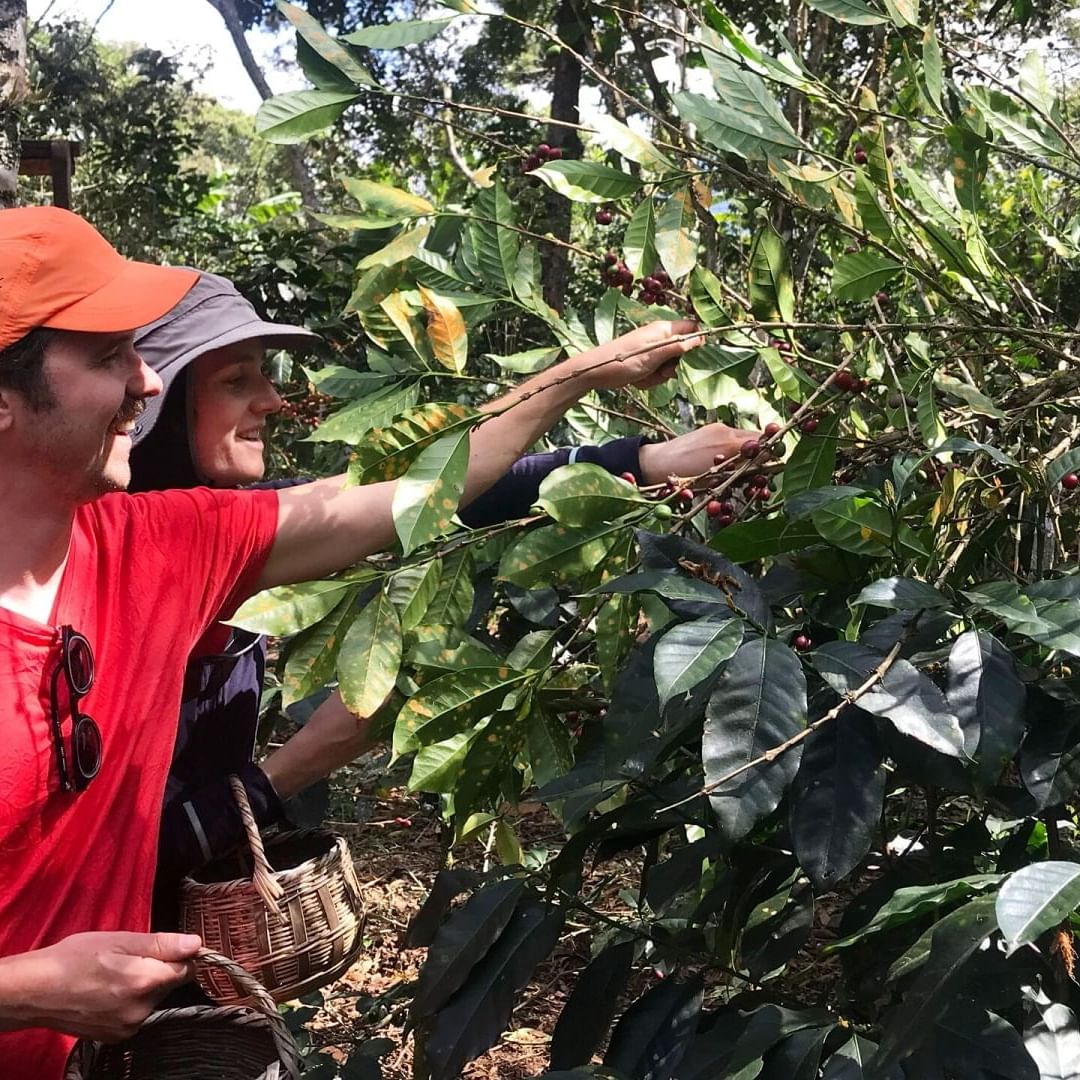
(103, 595)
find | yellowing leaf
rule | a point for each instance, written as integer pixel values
(446, 331)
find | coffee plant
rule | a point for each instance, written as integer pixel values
(823, 693)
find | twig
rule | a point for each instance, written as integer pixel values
(771, 755)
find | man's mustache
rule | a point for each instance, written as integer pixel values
(131, 410)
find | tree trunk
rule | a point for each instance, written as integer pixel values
(565, 92)
(12, 94)
(297, 166)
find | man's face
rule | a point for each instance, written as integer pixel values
(80, 442)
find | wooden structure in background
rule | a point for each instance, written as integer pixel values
(54, 158)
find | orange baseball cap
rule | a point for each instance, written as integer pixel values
(57, 270)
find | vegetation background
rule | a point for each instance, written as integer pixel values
(802, 733)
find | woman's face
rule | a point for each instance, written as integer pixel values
(231, 399)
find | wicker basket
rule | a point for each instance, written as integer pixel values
(295, 929)
(199, 1043)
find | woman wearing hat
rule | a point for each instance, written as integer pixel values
(208, 427)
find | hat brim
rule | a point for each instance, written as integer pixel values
(272, 335)
(139, 294)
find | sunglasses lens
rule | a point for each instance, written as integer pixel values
(81, 665)
(87, 748)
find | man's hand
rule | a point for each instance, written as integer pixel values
(99, 985)
(650, 353)
(693, 453)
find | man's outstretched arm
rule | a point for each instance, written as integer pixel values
(325, 526)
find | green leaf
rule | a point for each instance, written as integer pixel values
(975, 399)
(1037, 898)
(585, 494)
(313, 654)
(290, 608)
(452, 702)
(293, 117)
(388, 201)
(352, 423)
(1054, 1042)
(772, 294)
(475, 1017)
(874, 219)
(329, 48)
(676, 241)
(344, 382)
(386, 453)
(849, 11)
(397, 34)
(759, 703)
(633, 146)
(915, 902)
(403, 246)
(558, 554)
(370, 657)
(652, 1036)
(906, 697)
(708, 298)
(527, 362)
(461, 942)
(733, 132)
(690, 652)
(437, 768)
(855, 524)
(550, 752)
(859, 276)
(426, 497)
(837, 797)
(951, 946)
(988, 698)
(1061, 466)
(585, 181)
(931, 57)
(412, 588)
(902, 594)
(710, 373)
(453, 600)
(813, 461)
(746, 541)
(585, 1018)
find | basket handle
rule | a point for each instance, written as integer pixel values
(262, 876)
(283, 1041)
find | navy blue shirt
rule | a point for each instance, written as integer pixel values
(219, 716)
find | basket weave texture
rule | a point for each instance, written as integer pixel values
(199, 1043)
(295, 929)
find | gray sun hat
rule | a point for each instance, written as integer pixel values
(212, 314)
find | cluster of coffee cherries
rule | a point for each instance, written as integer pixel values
(617, 274)
(309, 409)
(860, 156)
(542, 153)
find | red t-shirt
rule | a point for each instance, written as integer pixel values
(145, 576)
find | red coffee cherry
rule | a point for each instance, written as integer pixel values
(629, 477)
(1070, 481)
(750, 449)
(714, 508)
(801, 643)
(809, 425)
(724, 520)
(771, 430)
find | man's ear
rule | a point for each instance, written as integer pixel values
(7, 408)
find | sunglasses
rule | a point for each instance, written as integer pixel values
(77, 667)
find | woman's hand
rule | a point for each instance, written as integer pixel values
(693, 453)
(644, 357)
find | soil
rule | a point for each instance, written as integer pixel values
(398, 851)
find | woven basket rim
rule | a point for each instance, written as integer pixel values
(314, 864)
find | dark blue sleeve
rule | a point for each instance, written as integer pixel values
(512, 496)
